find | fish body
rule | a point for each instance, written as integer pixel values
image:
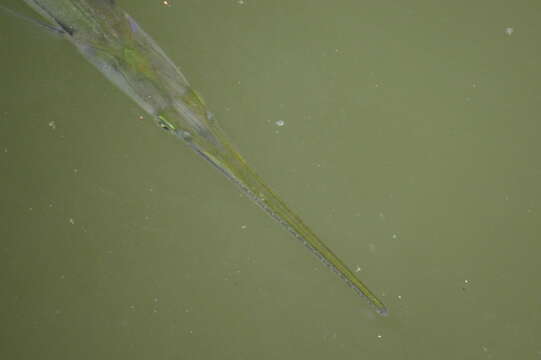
(119, 48)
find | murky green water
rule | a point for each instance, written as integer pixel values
(410, 142)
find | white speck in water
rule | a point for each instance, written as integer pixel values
(466, 281)
(141, 117)
(280, 123)
(132, 307)
(399, 297)
(71, 221)
(381, 216)
(52, 125)
(166, 3)
(358, 269)
(5, 150)
(241, 2)
(509, 31)
(395, 236)
(76, 170)
(380, 336)
(155, 300)
(243, 227)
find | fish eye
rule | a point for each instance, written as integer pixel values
(164, 124)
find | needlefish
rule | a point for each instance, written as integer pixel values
(120, 49)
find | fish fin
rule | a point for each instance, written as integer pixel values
(56, 30)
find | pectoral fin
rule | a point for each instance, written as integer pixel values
(51, 28)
